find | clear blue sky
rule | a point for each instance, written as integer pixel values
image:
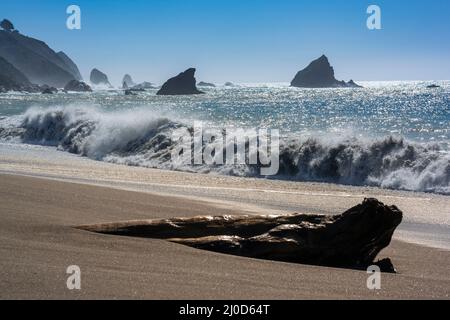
(244, 40)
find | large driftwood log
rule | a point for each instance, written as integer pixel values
(352, 239)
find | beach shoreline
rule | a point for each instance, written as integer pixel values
(46, 193)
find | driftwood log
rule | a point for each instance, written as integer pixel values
(352, 239)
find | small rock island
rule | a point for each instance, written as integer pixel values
(320, 74)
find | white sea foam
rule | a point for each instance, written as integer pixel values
(142, 138)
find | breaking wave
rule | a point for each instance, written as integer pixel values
(139, 138)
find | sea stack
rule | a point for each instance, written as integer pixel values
(35, 59)
(99, 78)
(127, 82)
(70, 65)
(206, 84)
(182, 84)
(320, 74)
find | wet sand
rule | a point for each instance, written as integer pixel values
(38, 241)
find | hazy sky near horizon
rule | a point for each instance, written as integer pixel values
(243, 40)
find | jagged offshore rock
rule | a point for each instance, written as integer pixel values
(78, 86)
(389, 162)
(352, 239)
(352, 84)
(319, 74)
(127, 82)
(99, 78)
(182, 84)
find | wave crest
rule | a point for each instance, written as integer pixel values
(389, 163)
(142, 139)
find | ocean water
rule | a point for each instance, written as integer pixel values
(389, 134)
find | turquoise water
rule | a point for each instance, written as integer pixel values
(390, 134)
(408, 109)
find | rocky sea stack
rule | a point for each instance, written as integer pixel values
(35, 59)
(320, 74)
(206, 84)
(99, 78)
(182, 84)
